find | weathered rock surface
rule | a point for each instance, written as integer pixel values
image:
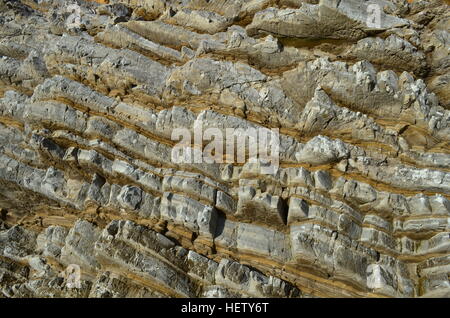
(91, 92)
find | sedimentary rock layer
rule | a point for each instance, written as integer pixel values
(90, 93)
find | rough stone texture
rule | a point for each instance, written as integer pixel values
(360, 206)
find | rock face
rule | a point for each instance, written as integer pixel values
(93, 206)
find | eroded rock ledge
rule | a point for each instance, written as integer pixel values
(360, 206)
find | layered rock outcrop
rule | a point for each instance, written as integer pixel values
(91, 92)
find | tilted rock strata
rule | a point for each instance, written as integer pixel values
(360, 206)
